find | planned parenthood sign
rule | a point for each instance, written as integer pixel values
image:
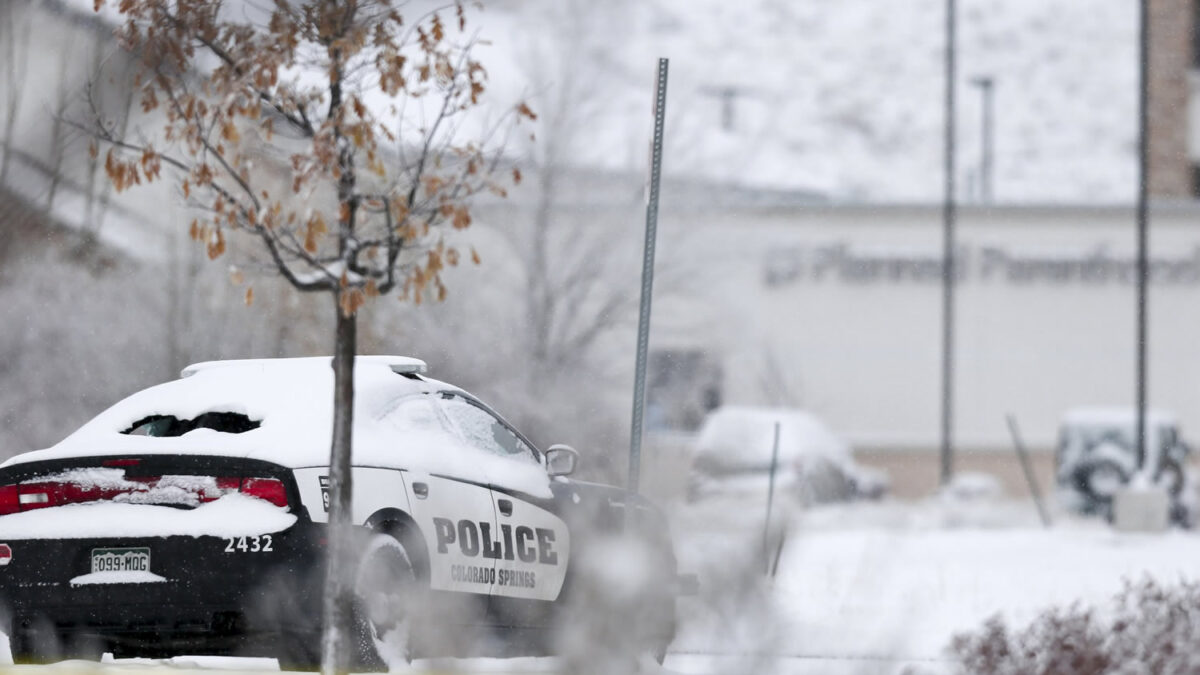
(840, 262)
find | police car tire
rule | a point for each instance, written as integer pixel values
(43, 645)
(384, 586)
(27, 649)
(299, 652)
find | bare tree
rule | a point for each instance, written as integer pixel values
(112, 107)
(365, 112)
(565, 303)
(58, 131)
(15, 21)
(571, 296)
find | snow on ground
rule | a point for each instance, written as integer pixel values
(861, 588)
(881, 587)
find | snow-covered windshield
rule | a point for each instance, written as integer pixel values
(483, 431)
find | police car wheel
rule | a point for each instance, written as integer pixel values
(384, 590)
(32, 647)
(41, 643)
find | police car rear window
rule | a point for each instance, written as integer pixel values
(169, 425)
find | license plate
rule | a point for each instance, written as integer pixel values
(120, 560)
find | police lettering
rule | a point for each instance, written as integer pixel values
(524, 543)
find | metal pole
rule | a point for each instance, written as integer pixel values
(1142, 226)
(986, 152)
(948, 267)
(770, 499)
(1027, 468)
(639, 377)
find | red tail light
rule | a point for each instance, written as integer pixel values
(270, 489)
(8, 500)
(137, 490)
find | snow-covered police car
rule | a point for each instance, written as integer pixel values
(190, 518)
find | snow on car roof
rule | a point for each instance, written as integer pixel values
(743, 436)
(398, 364)
(292, 399)
(292, 402)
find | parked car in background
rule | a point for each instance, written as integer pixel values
(734, 451)
(1097, 455)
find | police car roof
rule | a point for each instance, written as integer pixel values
(290, 399)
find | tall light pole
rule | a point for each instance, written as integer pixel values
(986, 155)
(948, 267)
(1143, 267)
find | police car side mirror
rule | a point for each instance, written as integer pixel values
(561, 460)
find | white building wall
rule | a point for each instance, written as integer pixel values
(862, 349)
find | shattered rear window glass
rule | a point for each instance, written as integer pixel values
(169, 425)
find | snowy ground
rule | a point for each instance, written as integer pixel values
(866, 588)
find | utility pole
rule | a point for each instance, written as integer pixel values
(986, 156)
(1143, 266)
(948, 266)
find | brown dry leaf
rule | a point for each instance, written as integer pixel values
(216, 245)
(249, 296)
(229, 132)
(462, 218)
(475, 256)
(524, 110)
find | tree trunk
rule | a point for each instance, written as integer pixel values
(58, 139)
(338, 601)
(16, 38)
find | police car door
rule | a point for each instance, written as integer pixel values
(531, 544)
(454, 514)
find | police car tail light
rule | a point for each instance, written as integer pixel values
(9, 500)
(225, 485)
(269, 489)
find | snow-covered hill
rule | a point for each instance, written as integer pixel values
(843, 97)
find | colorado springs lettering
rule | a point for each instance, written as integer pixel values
(522, 543)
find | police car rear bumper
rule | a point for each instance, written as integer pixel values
(203, 591)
